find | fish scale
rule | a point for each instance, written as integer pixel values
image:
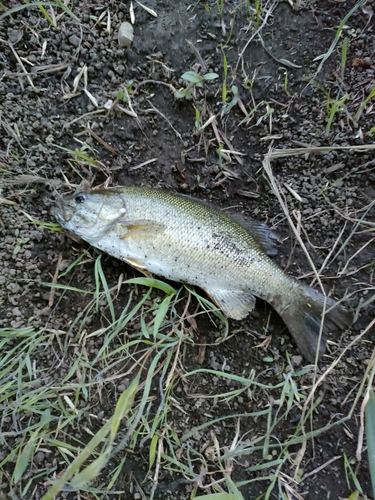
(186, 240)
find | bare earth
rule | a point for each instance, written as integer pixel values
(215, 410)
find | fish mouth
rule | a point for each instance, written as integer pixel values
(62, 212)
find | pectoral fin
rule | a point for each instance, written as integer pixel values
(141, 228)
(235, 304)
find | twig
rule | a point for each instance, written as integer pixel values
(136, 167)
(165, 118)
(197, 53)
(101, 141)
(38, 70)
(155, 82)
(336, 362)
(280, 153)
(232, 150)
(321, 467)
(284, 62)
(96, 112)
(20, 63)
(54, 281)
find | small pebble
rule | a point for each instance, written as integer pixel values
(74, 40)
(125, 35)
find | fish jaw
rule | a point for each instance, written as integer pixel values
(90, 220)
(62, 214)
(73, 222)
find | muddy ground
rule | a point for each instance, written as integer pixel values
(123, 117)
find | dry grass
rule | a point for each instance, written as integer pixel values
(137, 373)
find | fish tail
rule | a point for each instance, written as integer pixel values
(303, 317)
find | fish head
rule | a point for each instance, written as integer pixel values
(90, 214)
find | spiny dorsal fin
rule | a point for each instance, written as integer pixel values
(262, 234)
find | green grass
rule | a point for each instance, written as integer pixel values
(362, 106)
(54, 381)
(49, 410)
(50, 16)
(370, 434)
(335, 41)
(343, 102)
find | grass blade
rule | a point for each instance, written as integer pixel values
(89, 449)
(370, 435)
(99, 272)
(123, 405)
(220, 496)
(17, 8)
(24, 459)
(160, 315)
(153, 283)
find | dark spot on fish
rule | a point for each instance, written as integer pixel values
(80, 198)
(277, 301)
(226, 246)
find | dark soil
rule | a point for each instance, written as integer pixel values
(279, 106)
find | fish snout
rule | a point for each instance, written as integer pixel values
(62, 212)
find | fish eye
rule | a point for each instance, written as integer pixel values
(80, 198)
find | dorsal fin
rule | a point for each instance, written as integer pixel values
(262, 234)
(266, 238)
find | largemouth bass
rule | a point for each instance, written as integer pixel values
(185, 240)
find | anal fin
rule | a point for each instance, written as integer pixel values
(235, 304)
(138, 266)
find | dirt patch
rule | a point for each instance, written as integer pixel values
(219, 406)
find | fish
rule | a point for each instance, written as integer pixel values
(183, 239)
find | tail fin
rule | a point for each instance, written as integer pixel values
(303, 319)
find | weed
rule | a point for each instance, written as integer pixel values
(363, 105)
(344, 55)
(224, 85)
(158, 347)
(125, 91)
(258, 11)
(350, 474)
(286, 80)
(145, 343)
(333, 106)
(220, 7)
(198, 121)
(336, 39)
(233, 102)
(330, 185)
(195, 80)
